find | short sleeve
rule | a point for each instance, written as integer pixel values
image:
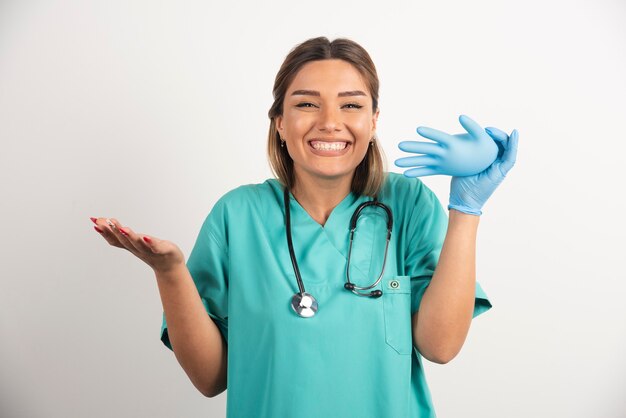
(429, 224)
(208, 266)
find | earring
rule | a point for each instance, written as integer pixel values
(282, 143)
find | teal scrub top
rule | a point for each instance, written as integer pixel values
(355, 357)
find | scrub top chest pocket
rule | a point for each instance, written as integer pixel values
(397, 312)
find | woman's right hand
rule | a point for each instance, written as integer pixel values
(162, 256)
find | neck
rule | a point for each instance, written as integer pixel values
(320, 196)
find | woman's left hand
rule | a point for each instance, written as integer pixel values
(469, 194)
(478, 161)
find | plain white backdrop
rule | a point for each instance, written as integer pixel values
(149, 111)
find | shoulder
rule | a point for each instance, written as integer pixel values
(241, 206)
(398, 187)
(410, 199)
(246, 198)
(249, 193)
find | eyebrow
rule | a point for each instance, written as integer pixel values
(317, 93)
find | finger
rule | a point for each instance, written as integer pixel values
(500, 138)
(497, 134)
(420, 172)
(132, 244)
(510, 154)
(420, 147)
(501, 143)
(471, 126)
(136, 244)
(132, 240)
(434, 134)
(151, 243)
(107, 233)
(121, 235)
(420, 160)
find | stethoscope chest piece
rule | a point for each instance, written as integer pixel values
(304, 304)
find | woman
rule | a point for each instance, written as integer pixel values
(303, 320)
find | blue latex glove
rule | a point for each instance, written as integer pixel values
(469, 194)
(451, 155)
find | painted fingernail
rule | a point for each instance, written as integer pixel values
(94, 220)
(98, 229)
(148, 240)
(122, 231)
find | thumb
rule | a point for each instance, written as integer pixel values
(150, 243)
(500, 138)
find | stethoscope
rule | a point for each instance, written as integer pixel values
(303, 303)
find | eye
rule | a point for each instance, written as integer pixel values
(305, 104)
(354, 105)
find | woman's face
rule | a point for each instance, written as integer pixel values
(327, 120)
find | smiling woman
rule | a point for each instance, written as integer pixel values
(335, 121)
(240, 314)
(305, 117)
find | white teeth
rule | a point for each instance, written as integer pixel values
(328, 146)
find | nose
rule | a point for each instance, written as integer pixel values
(329, 120)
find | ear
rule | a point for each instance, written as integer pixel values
(375, 120)
(278, 121)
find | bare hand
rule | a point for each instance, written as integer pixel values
(162, 256)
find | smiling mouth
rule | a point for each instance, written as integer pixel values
(328, 146)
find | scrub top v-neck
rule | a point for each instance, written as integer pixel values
(355, 357)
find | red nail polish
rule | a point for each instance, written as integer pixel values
(93, 220)
(98, 229)
(148, 240)
(123, 232)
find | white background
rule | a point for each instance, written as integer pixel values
(148, 111)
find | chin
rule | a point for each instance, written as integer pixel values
(334, 174)
(330, 171)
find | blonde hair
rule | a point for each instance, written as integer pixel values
(369, 175)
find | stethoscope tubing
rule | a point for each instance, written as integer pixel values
(357, 290)
(292, 254)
